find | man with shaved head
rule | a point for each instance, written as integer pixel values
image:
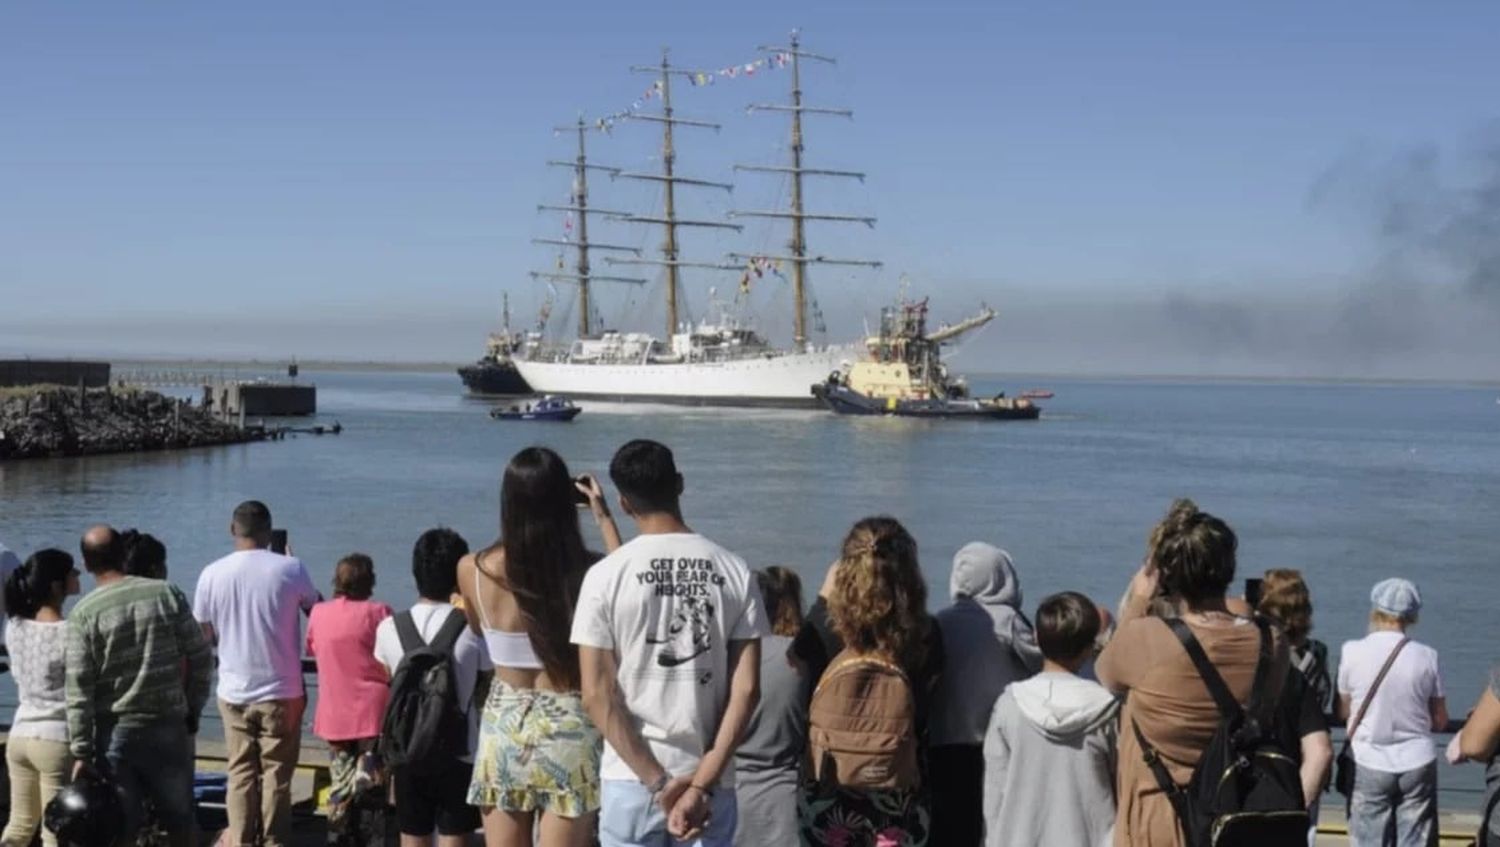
(130, 704)
(250, 604)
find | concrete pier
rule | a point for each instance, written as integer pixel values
(15, 373)
(237, 399)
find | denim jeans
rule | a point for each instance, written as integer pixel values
(630, 817)
(1394, 809)
(155, 762)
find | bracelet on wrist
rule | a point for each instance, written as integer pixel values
(660, 784)
(706, 792)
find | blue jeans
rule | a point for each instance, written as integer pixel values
(154, 763)
(630, 818)
(1394, 809)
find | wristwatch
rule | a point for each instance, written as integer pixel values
(660, 783)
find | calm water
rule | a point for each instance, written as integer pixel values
(1350, 483)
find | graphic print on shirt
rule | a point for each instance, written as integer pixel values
(688, 632)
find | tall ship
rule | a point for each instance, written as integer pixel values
(495, 372)
(718, 359)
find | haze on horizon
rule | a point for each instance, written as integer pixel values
(1279, 190)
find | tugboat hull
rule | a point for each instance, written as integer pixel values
(490, 377)
(846, 401)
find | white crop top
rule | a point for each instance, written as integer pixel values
(506, 649)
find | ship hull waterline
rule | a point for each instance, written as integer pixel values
(844, 401)
(493, 378)
(779, 381)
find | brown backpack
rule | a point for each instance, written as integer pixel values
(862, 731)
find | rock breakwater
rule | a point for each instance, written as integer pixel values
(65, 422)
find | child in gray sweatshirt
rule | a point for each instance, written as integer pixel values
(1049, 752)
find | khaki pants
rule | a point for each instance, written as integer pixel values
(38, 770)
(264, 741)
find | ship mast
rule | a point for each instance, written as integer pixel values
(579, 205)
(799, 257)
(671, 259)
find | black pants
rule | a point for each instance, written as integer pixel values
(956, 775)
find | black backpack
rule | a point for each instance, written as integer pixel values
(425, 726)
(1246, 789)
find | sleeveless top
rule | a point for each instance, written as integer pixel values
(506, 649)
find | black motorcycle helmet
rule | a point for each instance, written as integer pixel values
(88, 813)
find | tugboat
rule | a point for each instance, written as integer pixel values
(495, 372)
(904, 375)
(545, 409)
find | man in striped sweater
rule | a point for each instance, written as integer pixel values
(138, 675)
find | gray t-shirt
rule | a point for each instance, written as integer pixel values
(778, 729)
(768, 762)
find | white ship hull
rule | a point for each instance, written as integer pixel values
(779, 380)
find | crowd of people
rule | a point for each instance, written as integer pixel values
(660, 691)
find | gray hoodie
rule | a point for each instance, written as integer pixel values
(1049, 764)
(987, 643)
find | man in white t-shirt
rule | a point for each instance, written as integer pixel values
(437, 802)
(669, 629)
(250, 604)
(1395, 783)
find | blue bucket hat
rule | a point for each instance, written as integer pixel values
(1397, 597)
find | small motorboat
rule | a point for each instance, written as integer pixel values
(545, 409)
(1036, 394)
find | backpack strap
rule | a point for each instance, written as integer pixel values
(1370, 697)
(447, 637)
(1217, 688)
(406, 630)
(1262, 668)
(1159, 770)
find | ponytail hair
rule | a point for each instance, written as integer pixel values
(879, 601)
(31, 586)
(1194, 552)
(145, 555)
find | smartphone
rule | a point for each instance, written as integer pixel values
(1252, 593)
(278, 541)
(579, 497)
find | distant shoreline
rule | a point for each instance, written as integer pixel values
(370, 366)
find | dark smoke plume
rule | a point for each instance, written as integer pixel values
(1436, 218)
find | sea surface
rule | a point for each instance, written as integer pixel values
(1350, 483)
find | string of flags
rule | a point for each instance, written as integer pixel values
(775, 61)
(759, 266)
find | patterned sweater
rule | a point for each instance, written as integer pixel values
(135, 657)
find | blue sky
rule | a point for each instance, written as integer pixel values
(359, 180)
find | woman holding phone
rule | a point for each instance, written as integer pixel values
(537, 767)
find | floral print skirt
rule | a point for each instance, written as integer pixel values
(538, 750)
(841, 817)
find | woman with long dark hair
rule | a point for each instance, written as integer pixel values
(537, 768)
(36, 754)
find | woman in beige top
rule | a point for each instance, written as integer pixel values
(1191, 564)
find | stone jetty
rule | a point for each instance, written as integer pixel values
(49, 421)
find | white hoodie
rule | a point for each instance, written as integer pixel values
(1049, 763)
